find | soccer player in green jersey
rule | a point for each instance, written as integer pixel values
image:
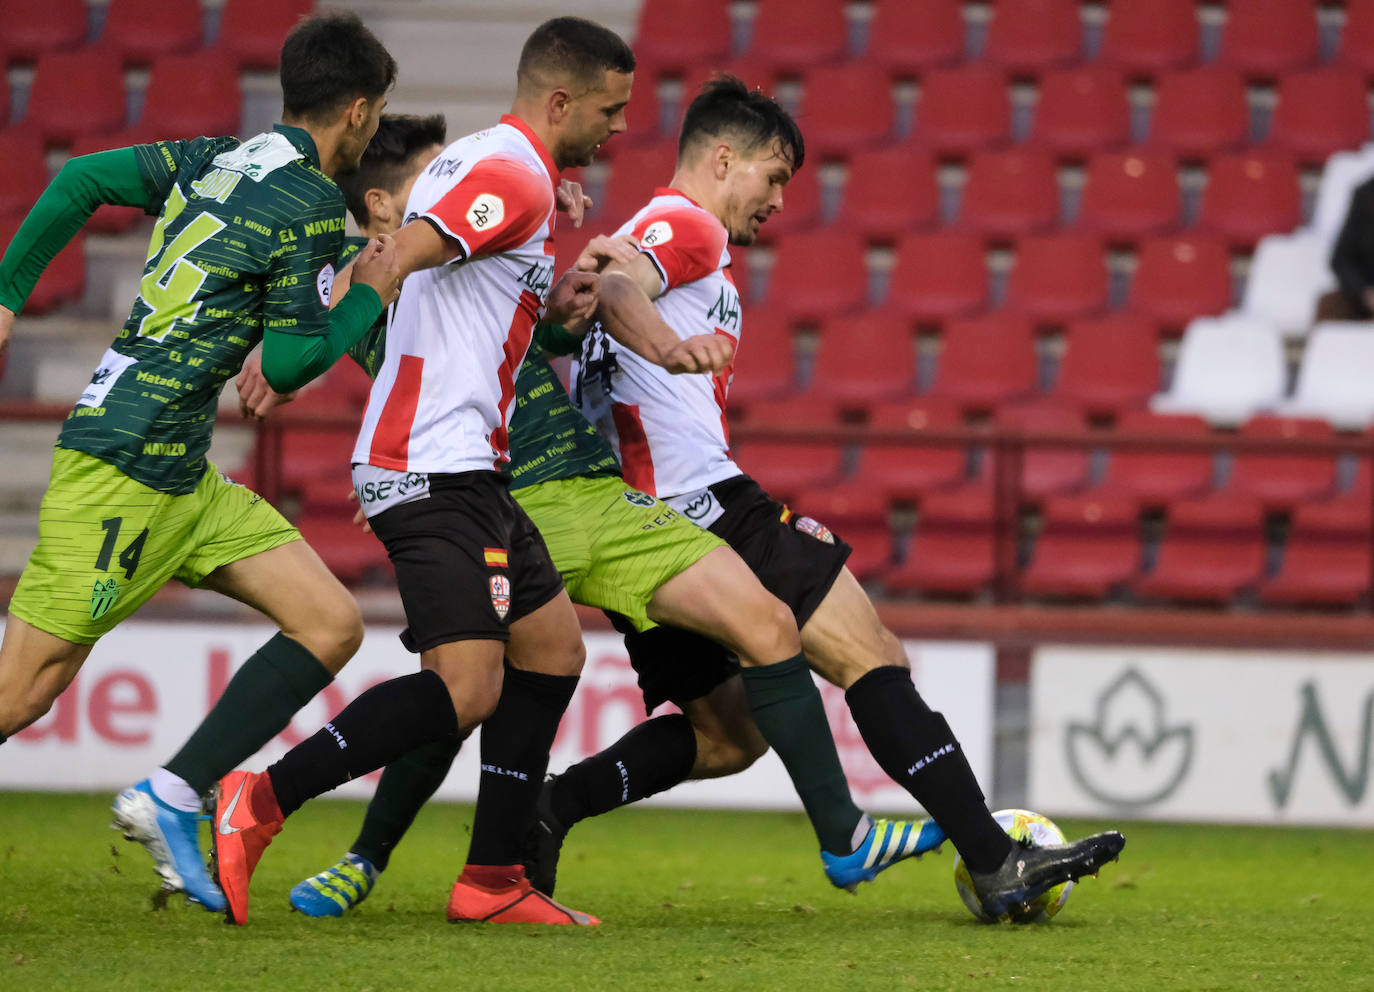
(614, 547)
(244, 249)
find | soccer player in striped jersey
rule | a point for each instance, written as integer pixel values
(243, 252)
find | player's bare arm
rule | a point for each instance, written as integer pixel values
(6, 326)
(628, 314)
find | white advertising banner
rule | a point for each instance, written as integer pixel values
(146, 686)
(1243, 736)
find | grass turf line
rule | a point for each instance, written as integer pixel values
(695, 900)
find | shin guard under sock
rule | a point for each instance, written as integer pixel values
(652, 757)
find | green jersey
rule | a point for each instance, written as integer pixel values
(246, 239)
(549, 438)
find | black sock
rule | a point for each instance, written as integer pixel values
(385, 722)
(406, 785)
(516, 740)
(915, 746)
(652, 757)
(3, 738)
(788, 709)
(258, 703)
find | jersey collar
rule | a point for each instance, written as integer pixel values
(533, 139)
(669, 191)
(302, 140)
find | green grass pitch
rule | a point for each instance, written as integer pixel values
(691, 900)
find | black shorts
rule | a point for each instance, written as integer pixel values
(468, 561)
(795, 558)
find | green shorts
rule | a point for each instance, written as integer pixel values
(106, 543)
(614, 545)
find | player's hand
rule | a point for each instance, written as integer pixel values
(6, 326)
(359, 517)
(256, 397)
(700, 353)
(573, 298)
(378, 266)
(603, 249)
(572, 201)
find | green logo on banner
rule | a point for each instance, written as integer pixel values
(103, 596)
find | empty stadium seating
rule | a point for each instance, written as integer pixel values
(1199, 112)
(1228, 369)
(1213, 548)
(1110, 364)
(138, 31)
(1088, 547)
(1179, 277)
(887, 192)
(1333, 379)
(1288, 274)
(906, 39)
(1147, 39)
(1080, 111)
(1028, 37)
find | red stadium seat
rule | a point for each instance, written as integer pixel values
(676, 37)
(765, 362)
(1357, 37)
(845, 108)
(1130, 195)
(897, 471)
(1110, 364)
(792, 36)
(1212, 549)
(888, 192)
(1010, 193)
(1147, 39)
(1028, 37)
(906, 39)
(802, 412)
(251, 31)
(1327, 560)
(1046, 470)
(801, 204)
(786, 469)
(938, 276)
(1320, 111)
(1058, 278)
(35, 27)
(1090, 546)
(1179, 277)
(1250, 195)
(74, 95)
(23, 172)
(953, 551)
(1081, 111)
(1199, 112)
(986, 361)
(871, 554)
(349, 552)
(189, 96)
(1283, 481)
(864, 358)
(844, 505)
(138, 31)
(638, 170)
(817, 274)
(4, 99)
(962, 110)
(310, 451)
(1266, 38)
(1155, 477)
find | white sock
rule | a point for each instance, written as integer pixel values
(174, 790)
(861, 830)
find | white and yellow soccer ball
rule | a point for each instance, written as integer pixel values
(1021, 824)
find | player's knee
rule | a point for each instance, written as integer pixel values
(25, 709)
(771, 631)
(727, 755)
(892, 651)
(336, 632)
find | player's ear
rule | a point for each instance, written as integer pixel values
(558, 103)
(358, 112)
(723, 159)
(378, 204)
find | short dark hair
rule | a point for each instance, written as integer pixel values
(573, 49)
(389, 158)
(327, 62)
(726, 106)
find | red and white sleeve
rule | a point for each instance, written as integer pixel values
(684, 245)
(497, 206)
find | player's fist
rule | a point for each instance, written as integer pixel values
(700, 353)
(603, 249)
(572, 201)
(378, 266)
(574, 297)
(256, 397)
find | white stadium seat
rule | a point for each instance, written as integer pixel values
(1229, 368)
(1335, 376)
(1288, 274)
(1342, 173)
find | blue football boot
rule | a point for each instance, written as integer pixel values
(887, 842)
(337, 889)
(172, 838)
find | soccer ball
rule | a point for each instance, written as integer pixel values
(1040, 830)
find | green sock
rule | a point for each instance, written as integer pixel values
(788, 710)
(406, 785)
(258, 703)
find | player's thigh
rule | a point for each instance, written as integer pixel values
(35, 667)
(548, 640)
(728, 740)
(844, 639)
(472, 672)
(105, 545)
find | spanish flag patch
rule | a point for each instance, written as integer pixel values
(786, 514)
(496, 557)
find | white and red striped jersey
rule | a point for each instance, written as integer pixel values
(458, 333)
(669, 430)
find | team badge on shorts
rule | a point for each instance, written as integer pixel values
(500, 595)
(103, 596)
(815, 528)
(636, 498)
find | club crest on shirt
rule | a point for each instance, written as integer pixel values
(660, 232)
(486, 211)
(500, 595)
(636, 498)
(324, 284)
(816, 529)
(103, 596)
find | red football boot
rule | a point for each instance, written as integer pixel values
(517, 902)
(245, 817)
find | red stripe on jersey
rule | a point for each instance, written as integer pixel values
(391, 438)
(518, 337)
(720, 385)
(636, 461)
